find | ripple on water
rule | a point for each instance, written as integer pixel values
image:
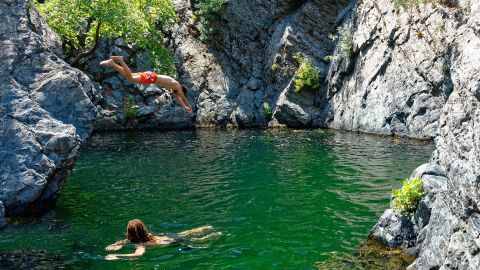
(281, 199)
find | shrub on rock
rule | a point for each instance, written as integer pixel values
(406, 199)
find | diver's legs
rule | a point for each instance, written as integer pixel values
(114, 65)
(132, 77)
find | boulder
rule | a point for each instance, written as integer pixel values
(46, 111)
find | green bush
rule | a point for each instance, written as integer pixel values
(307, 77)
(130, 109)
(406, 199)
(267, 110)
(345, 42)
(207, 11)
(82, 23)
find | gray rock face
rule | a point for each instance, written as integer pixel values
(46, 111)
(393, 78)
(396, 78)
(250, 60)
(447, 220)
(455, 213)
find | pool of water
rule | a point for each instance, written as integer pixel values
(282, 199)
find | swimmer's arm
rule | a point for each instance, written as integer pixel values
(117, 245)
(138, 252)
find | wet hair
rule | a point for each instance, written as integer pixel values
(137, 232)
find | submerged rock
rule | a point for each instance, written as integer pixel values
(31, 259)
(46, 111)
(2, 215)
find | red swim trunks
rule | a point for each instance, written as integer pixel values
(148, 77)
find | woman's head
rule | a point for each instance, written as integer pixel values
(137, 232)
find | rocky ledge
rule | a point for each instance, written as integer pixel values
(46, 112)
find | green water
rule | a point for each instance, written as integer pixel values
(283, 200)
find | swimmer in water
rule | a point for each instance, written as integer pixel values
(148, 77)
(138, 234)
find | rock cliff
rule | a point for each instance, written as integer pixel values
(248, 62)
(46, 112)
(388, 72)
(444, 231)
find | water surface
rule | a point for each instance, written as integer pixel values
(282, 199)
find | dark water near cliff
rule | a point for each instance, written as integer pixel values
(282, 199)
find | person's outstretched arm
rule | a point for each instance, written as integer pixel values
(187, 104)
(138, 252)
(117, 245)
(181, 101)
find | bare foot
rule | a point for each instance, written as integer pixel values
(116, 58)
(106, 62)
(111, 257)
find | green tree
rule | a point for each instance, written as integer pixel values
(81, 23)
(208, 12)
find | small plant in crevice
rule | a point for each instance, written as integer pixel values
(274, 67)
(267, 110)
(130, 109)
(307, 76)
(419, 34)
(407, 198)
(446, 69)
(345, 42)
(207, 12)
(410, 3)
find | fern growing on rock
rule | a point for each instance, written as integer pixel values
(267, 110)
(345, 42)
(307, 77)
(406, 199)
(130, 109)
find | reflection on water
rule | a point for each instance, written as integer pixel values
(281, 198)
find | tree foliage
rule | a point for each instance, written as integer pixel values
(208, 11)
(80, 24)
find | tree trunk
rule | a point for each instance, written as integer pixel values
(84, 54)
